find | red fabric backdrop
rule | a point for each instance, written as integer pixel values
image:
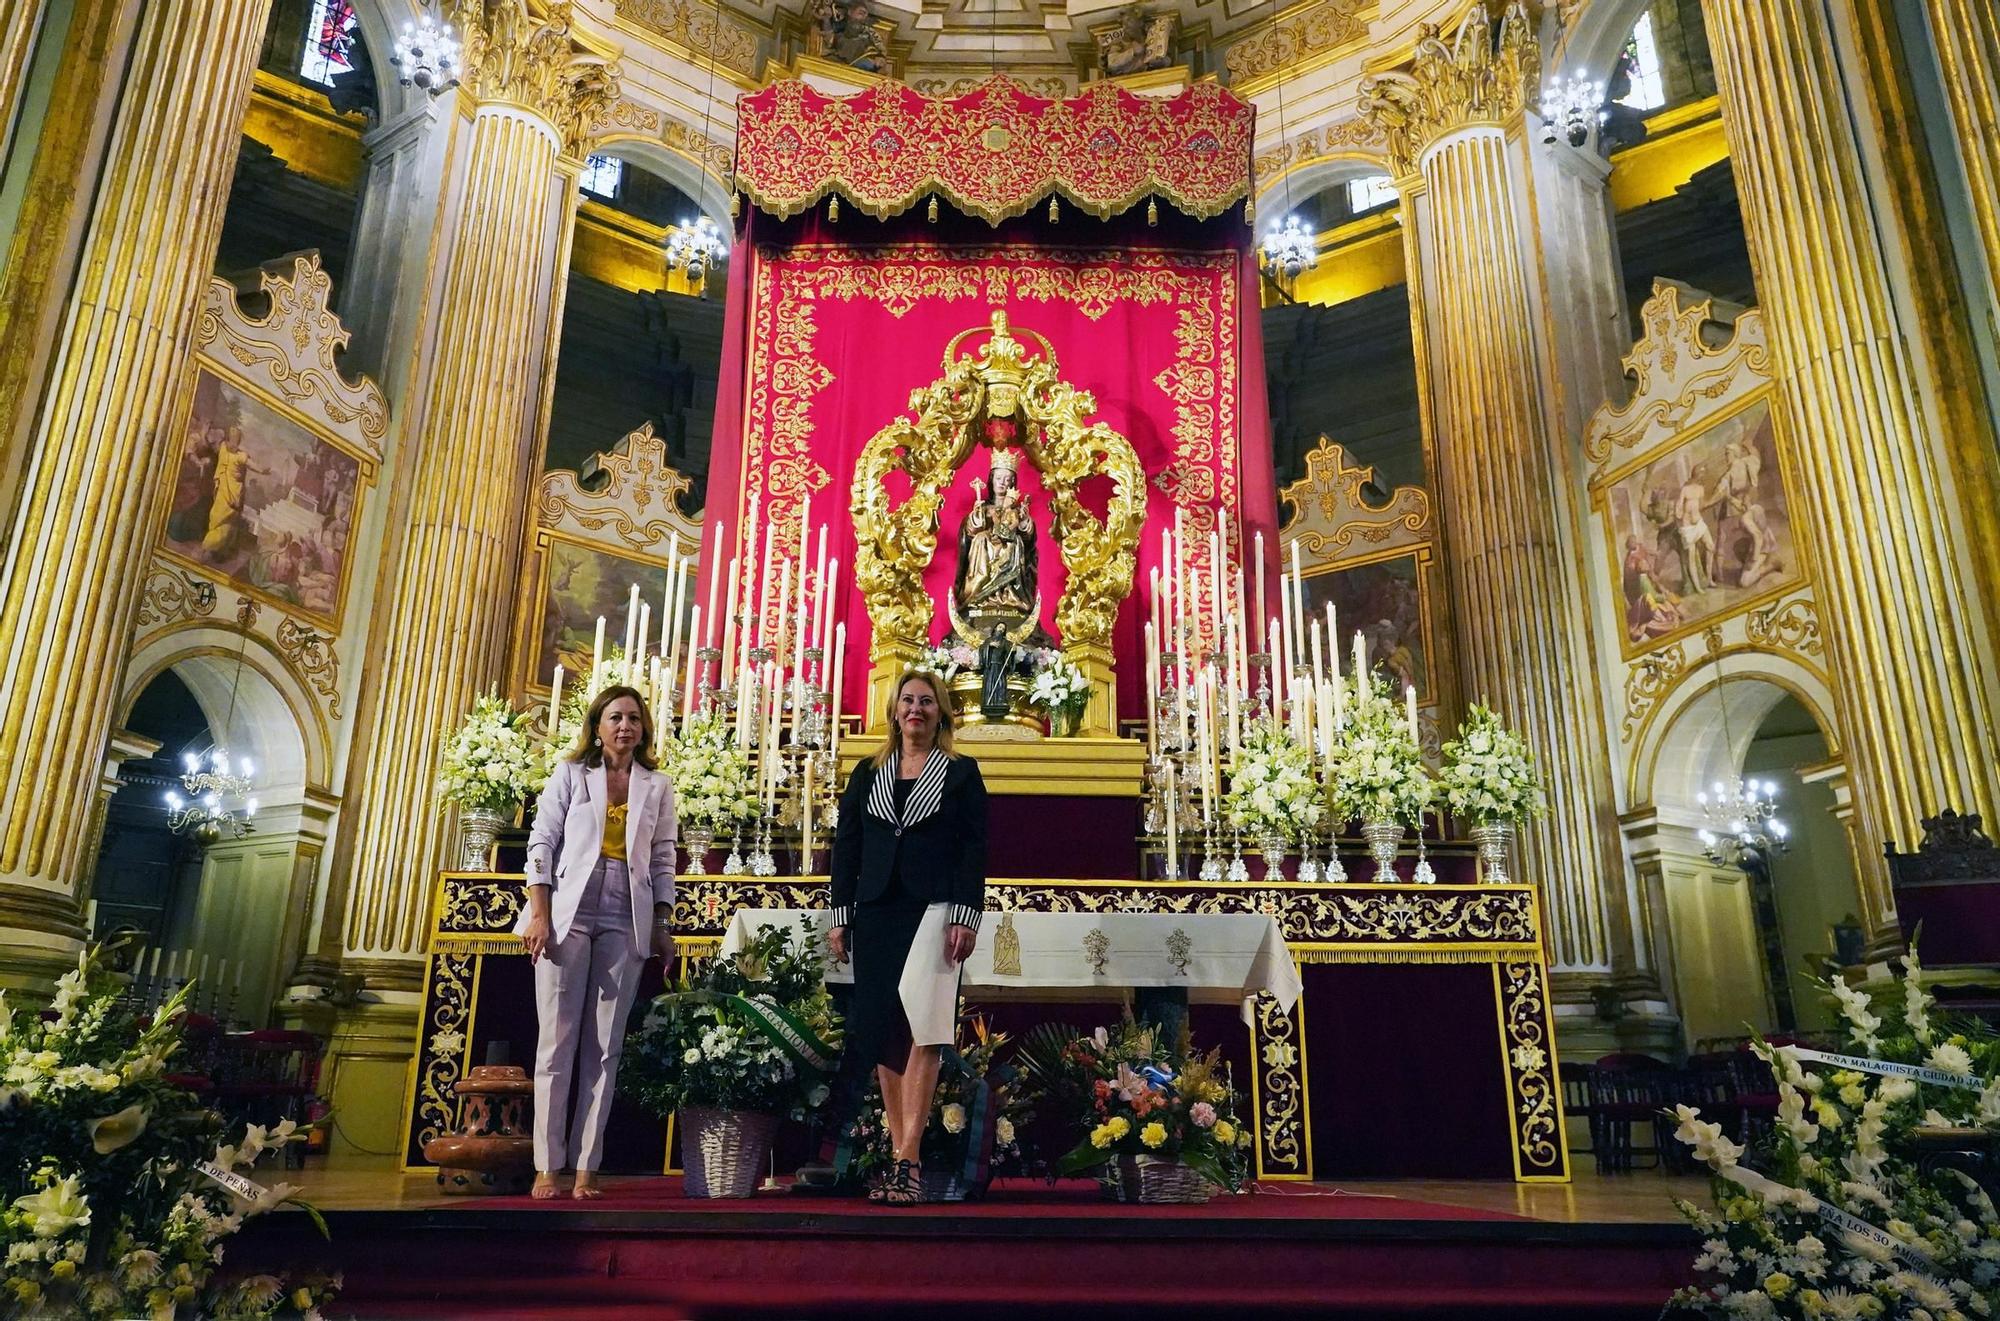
(831, 326)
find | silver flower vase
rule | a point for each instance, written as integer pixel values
(1493, 841)
(1271, 845)
(697, 840)
(1384, 839)
(478, 827)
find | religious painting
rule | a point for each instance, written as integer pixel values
(581, 582)
(263, 500)
(1383, 600)
(1702, 530)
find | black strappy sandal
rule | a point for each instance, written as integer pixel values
(905, 1187)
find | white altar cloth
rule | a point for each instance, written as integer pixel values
(1218, 958)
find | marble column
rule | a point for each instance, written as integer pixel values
(472, 430)
(85, 519)
(1893, 501)
(1509, 375)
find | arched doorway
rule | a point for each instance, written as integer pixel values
(1747, 940)
(231, 913)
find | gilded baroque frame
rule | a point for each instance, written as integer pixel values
(625, 502)
(284, 361)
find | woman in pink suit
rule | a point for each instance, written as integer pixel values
(600, 900)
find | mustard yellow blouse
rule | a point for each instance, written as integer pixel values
(614, 831)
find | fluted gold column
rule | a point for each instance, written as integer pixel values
(20, 25)
(448, 592)
(1966, 34)
(1454, 124)
(84, 522)
(1891, 503)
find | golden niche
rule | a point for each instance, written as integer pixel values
(1015, 405)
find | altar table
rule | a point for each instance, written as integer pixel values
(1216, 958)
(1420, 1045)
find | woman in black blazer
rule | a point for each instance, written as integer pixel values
(909, 882)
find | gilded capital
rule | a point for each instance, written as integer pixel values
(1479, 77)
(522, 52)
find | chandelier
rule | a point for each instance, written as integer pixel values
(1742, 819)
(1571, 108)
(426, 55)
(1289, 247)
(693, 245)
(218, 804)
(1742, 814)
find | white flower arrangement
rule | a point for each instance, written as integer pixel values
(493, 761)
(1488, 776)
(1376, 768)
(107, 1212)
(1272, 787)
(946, 662)
(1831, 1215)
(712, 784)
(1059, 688)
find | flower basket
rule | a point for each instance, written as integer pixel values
(724, 1152)
(1155, 1181)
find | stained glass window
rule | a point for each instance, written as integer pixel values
(330, 35)
(601, 175)
(1642, 62)
(1366, 194)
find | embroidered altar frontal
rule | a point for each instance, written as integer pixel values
(1421, 1047)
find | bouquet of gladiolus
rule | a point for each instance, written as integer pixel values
(1831, 1215)
(115, 1196)
(1151, 1098)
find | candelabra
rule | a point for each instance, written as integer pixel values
(1289, 247)
(219, 804)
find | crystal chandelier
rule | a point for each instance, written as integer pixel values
(1571, 108)
(1742, 814)
(218, 804)
(1289, 247)
(1742, 819)
(426, 55)
(693, 245)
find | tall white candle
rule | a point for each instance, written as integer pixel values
(1263, 638)
(1170, 639)
(758, 640)
(1339, 702)
(730, 623)
(692, 664)
(1215, 589)
(670, 615)
(1156, 602)
(1410, 705)
(1274, 671)
(717, 564)
(636, 660)
(1153, 683)
(596, 664)
(839, 669)
(1319, 656)
(1360, 666)
(632, 639)
(555, 704)
(1298, 605)
(1173, 821)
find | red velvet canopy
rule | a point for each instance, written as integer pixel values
(831, 325)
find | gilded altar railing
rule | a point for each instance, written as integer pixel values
(1497, 925)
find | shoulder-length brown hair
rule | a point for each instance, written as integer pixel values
(893, 745)
(590, 752)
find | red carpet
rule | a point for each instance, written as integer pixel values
(1028, 1251)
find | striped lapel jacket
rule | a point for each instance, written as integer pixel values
(938, 841)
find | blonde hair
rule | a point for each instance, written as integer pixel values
(591, 753)
(893, 745)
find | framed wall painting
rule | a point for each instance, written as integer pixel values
(1387, 601)
(263, 498)
(1701, 528)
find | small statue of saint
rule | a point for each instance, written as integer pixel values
(996, 661)
(857, 43)
(997, 575)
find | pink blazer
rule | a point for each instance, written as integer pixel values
(568, 837)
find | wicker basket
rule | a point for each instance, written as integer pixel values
(1154, 1180)
(724, 1151)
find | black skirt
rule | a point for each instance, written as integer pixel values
(878, 1028)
